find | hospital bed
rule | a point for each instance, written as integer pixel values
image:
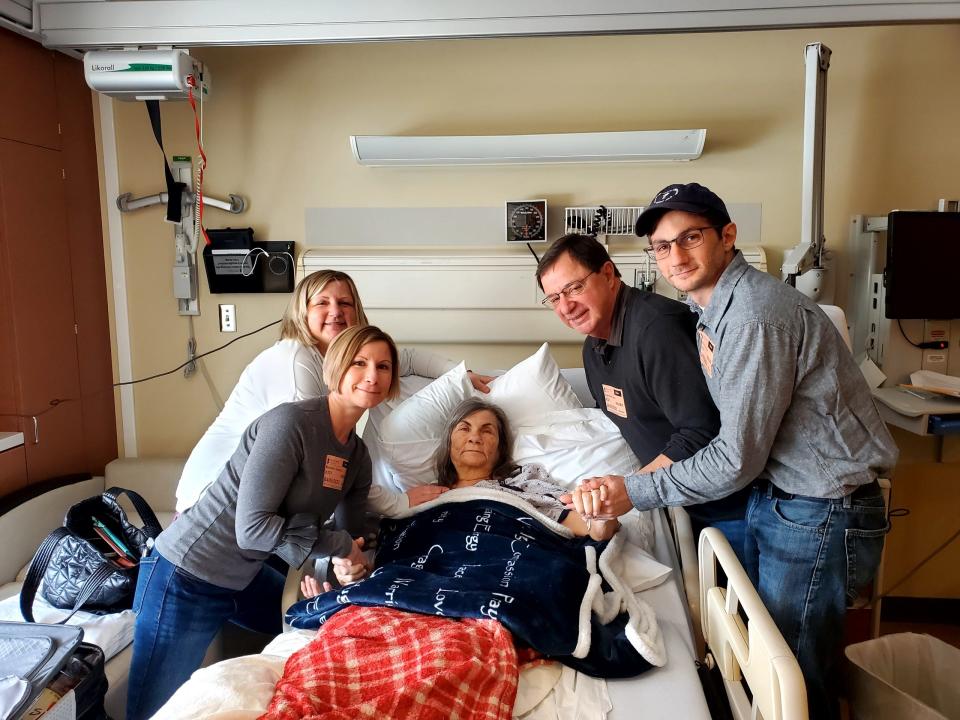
(665, 693)
(700, 609)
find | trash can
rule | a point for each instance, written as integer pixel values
(904, 676)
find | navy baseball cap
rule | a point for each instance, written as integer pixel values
(691, 198)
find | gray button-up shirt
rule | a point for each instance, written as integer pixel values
(794, 408)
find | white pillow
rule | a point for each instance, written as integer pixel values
(409, 436)
(423, 415)
(409, 464)
(577, 377)
(410, 385)
(531, 389)
(383, 474)
(575, 444)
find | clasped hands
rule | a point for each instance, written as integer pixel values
(346, 569)
(355, 566)
(599, 498)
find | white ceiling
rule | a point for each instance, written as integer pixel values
(17, 11)
(114, 23)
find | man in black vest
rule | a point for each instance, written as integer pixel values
(640, 359)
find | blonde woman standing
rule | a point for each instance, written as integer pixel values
(294, 467)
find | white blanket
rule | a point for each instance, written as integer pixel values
(241, 688)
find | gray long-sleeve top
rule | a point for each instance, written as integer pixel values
(794, 407)
(288, 475)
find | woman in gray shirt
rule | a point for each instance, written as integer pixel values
(296, 465)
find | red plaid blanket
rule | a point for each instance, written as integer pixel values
(376, 662)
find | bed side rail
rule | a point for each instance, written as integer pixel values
(685, 545)
(743, 640)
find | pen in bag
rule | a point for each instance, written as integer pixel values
(117, 542)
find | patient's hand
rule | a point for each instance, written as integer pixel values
(603, 529)
(309, 587)
(425, 493)
(602, 498)
(353, 567)
(585, 499)
(480, 382)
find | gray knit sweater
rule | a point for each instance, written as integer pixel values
(286, 478)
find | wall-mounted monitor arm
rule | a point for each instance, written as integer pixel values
(807, 254)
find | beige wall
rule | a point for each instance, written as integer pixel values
(276, 132)
(925, 483)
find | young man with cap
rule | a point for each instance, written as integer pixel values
(798, 425)
(640, 359)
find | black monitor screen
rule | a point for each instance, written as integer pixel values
(923, 261)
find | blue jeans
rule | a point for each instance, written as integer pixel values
(178, 615)
(728, 515)
(808, 557)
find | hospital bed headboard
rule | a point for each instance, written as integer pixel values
(447, 295)
(577, 378)
(752, 652)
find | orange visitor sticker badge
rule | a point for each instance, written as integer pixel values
(706, 352)
(334, 472)
(613, 399)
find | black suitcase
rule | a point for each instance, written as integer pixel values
(84, 674)
(32, 654)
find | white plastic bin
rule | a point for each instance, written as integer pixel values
(904, 676)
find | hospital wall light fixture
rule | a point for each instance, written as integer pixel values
(590, 147)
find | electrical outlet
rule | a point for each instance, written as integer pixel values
(935, 360)
(228, 318)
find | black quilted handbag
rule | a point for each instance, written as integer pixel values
(91, 562)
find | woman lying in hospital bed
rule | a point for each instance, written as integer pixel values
(483, 551)
(475, 452)
(499, 547)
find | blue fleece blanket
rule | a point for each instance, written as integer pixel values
(484, 554)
